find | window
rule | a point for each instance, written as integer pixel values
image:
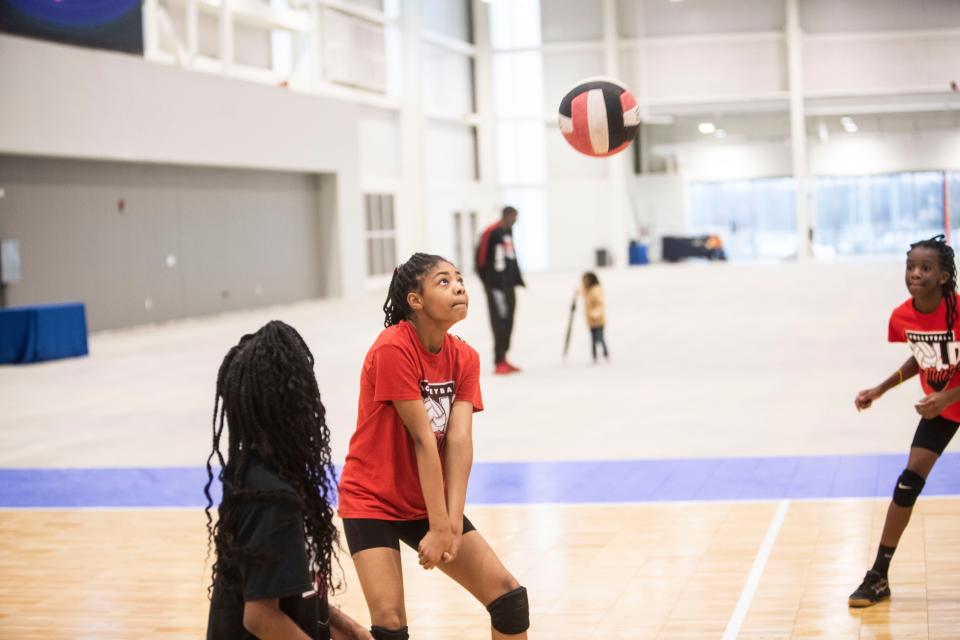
(381, 234)
(754, 218)
(877, 214)
(354, 51)
(953, 204)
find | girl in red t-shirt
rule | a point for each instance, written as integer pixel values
(928, 322)
(405, 477)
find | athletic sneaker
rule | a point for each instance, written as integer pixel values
(513, 368)
(502, 368)
(872, 590)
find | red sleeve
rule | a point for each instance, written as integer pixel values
(895, 331)
(395, 375)
(484, 247)
(468, 386)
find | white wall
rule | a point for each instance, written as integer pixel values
(733, 161)
(678, 69)
(60, 101)
(820, 16)
(378, 141)
(862, 154)
(661, 18)
(564, 70)
(563, 20)
(450, 18)
(447, 81)
(849, 65)
(585, 215)
(580, 214)
(842, 154)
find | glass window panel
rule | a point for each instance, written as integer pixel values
(447, 17)
(518, 84)
(368, 211)
(532, 231)
(378, 264)
(376, 222)
(447, 81)
(953, 203)
(389, 254)
(371, 258)
(514, 23)
(563, 20)
(521, 152)
(387, 212)
(878, 214)
(754, 218)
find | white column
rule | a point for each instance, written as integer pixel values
(618, 209)
(317, 43)
(151, 30)
(483, 92)
(226, 36)
(412, 236)
(191, 17)
(798, 129)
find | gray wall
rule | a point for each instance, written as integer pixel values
(240, 238)
(66, 102)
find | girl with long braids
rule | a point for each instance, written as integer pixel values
(405, 476)
(928, 322)
(274, 535)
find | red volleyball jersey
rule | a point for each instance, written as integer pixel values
(934, 348)
(380, 478)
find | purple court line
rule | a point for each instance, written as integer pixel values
(601, 481)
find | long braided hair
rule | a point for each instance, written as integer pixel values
(406, 278)
(268, 394)
(948, 264)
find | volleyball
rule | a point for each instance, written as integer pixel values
(599, 117)
(925, 355)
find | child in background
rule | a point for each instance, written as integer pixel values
(595, 312)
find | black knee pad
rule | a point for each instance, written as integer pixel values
(510, 613)
(379, 633)
(909, 486)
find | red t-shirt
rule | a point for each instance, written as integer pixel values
(380, 478)
(934, 348)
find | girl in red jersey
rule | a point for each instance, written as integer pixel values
(928, 322)
(405, 477)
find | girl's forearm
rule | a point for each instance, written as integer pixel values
(431, 483)
(459, 454)
(415, 420)
(906, 371)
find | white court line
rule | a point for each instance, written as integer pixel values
(756, 572)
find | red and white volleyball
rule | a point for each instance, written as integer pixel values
(599, 117)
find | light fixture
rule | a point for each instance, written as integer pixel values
(706, 127)
(848, 124)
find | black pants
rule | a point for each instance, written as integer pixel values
(596, 337)
(501, 303)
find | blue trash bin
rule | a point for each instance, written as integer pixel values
(638, 253)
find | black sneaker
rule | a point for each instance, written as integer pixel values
(872, 590)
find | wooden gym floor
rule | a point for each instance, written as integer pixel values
(711, 481)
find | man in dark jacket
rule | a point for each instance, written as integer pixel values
(496, 262)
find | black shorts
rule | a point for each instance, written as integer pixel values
(368, 533)
(935, 434)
